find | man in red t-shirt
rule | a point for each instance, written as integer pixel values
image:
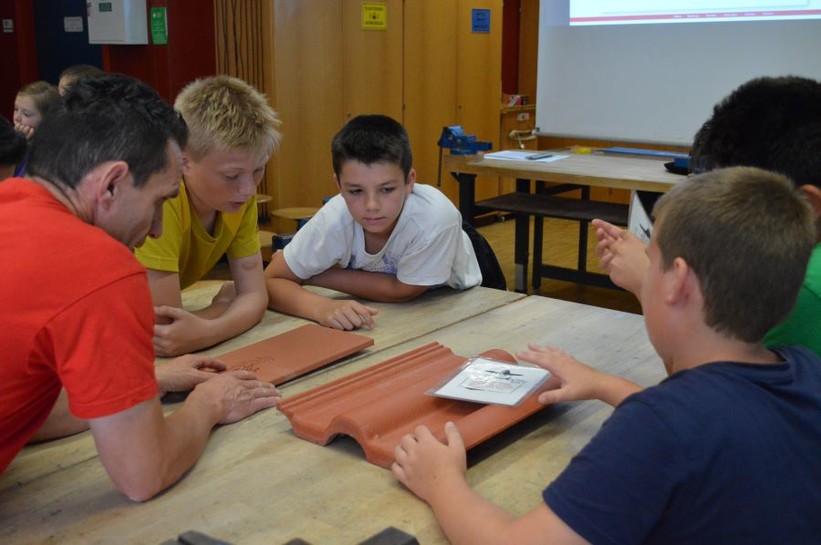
(77, 315)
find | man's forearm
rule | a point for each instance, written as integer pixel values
(144, 452)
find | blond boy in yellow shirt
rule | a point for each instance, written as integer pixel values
(233, 132)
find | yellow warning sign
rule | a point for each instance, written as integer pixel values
(374, 16)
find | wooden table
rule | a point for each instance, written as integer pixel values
(396, 324)
(586, 170)
(256, 483)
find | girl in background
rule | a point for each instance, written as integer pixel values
(33, 101)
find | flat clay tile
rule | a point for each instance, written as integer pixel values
(291, 354)
(378, 405)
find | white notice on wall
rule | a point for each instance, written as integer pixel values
(73, 24)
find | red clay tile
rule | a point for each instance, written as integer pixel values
(378, 405)
(286, 356)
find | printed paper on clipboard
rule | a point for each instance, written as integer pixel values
(484, 380)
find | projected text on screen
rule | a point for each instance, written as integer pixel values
(609, 12)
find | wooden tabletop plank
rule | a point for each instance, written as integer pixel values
(257, 483)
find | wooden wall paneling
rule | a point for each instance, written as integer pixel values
(243, 49)
(429, 83)
(372, 62)
(308, 69)
(518, 118)
(528, 47)
(268, 184)
(479, 80)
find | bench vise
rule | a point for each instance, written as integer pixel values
(459, 143)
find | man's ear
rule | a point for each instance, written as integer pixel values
(336, 181)
(813, 194)
(109, 179)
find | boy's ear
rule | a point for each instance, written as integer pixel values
(186, 164)
(813, 193)
(410, 180)
(681, 282)
(336, 181)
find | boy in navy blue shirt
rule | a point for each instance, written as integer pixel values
(725, 450)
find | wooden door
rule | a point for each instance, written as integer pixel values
(372, 62)
(479, 80)
(452, 77)
(429, 84)
(309, 79)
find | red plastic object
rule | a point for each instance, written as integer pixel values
(378, 405)
(291, 354)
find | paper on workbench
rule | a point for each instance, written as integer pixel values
(521, 155)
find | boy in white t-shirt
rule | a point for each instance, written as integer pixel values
(383, 238)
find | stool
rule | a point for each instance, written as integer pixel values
(262, 199)
(300, 214)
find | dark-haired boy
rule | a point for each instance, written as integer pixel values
(383, 238)
(769, 123)
(725, 450)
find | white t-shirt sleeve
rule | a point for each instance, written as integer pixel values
(430, 263)
(324, 241)
(438, 251)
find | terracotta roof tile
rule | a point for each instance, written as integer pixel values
(291, 354)
(378, 405)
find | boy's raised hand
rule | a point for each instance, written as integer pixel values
(572, 380)
(346, 314)
(622, 254)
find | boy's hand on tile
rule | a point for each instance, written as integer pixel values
(426, 465)
(570, 379)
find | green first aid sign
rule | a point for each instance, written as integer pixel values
(159, 26)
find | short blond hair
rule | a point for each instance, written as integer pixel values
(224, 112)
